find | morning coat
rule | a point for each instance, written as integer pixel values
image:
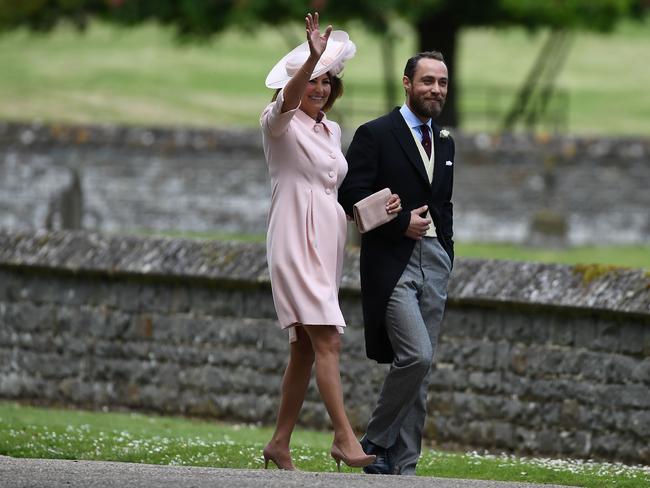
(384, 154)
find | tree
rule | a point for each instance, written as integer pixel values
(438, 23)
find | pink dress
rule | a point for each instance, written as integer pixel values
(306, 225)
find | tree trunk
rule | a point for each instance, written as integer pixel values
(388, 59)
(440, 33)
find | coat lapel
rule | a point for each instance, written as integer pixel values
(405, 138)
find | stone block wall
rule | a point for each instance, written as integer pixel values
(540, 381)
(217, 181)
(533, 358)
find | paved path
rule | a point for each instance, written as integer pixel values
(49, 473)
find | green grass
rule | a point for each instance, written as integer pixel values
(133, 437)
(625, 256)
(142, 76)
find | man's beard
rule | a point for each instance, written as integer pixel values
(427, 109)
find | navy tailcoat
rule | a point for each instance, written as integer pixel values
(383, 154)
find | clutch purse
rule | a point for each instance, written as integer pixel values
(370, 212)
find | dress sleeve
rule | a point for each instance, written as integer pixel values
(273, 121)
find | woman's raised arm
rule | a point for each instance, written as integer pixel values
(295, 88)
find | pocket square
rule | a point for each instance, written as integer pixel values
(449, 163)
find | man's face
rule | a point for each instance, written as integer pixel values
(427, 91)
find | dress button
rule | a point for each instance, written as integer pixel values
(331, 173)
(328, 191)
(316, 128)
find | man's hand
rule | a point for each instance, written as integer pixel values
(418, 226)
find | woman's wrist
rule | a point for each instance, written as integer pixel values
(312, 59)
(309, 65)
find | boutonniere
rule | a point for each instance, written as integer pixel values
(444, 134)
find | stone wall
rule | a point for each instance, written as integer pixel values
(534, 358)
(216, 180)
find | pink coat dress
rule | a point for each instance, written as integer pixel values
(306, 224)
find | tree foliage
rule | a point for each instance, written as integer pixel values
(43, 15)
(207, 17)
(203, 18)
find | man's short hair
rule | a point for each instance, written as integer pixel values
(412, 63)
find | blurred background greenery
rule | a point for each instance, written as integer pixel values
(203, 62)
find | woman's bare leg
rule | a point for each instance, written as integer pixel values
(326, 342)
(294, 388)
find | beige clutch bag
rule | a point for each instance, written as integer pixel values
(370, 212)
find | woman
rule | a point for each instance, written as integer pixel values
(306, 233)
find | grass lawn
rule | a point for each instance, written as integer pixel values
(142, 76)
(625, 256)
(130, 437)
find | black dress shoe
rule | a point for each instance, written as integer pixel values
(382, 463)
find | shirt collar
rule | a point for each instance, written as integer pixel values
(411, 119)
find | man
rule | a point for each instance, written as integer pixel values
(405, 264)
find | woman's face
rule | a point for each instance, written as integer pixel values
(316, 94)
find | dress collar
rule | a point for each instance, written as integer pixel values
(321, 119)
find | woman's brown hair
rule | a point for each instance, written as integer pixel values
(336, 91)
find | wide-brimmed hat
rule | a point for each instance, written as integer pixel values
(339, 49)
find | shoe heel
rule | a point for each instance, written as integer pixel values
(336, 456)
(359, 462)
(268, 456)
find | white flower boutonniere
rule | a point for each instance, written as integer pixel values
(444, 133)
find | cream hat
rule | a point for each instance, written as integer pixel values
(339, 49)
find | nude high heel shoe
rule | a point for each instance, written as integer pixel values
(272, 456)
(356, 462)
